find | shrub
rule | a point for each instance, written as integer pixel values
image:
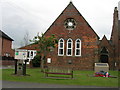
(36, 61)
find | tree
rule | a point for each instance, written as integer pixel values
(26, 39)
(36, 61)
(44, 45)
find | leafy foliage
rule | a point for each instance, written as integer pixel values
(36, 61)
(45, 44)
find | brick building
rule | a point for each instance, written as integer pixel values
(79, 46)
(6, 46)
(32, 51)
(77, 41)
(6, 51)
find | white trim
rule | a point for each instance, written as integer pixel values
(60, 47)
(77, 48)
(32, 54)
(69, 48)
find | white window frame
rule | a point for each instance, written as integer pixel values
(60, 47)
(77, 48)
(69, 48)
(31, 55)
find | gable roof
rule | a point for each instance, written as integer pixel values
(68, 8)
(105, 40)
(3, 35)
(32, 46)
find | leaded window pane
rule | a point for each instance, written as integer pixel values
(61, 40)
(78, 45)
(77, 52)
(69, 41)
(61, 45)
(69, 45)
(69, 51)
(78, 41)
(60, 51)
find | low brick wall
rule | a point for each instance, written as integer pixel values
(7, 62)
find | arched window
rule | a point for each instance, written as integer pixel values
(104, 55)
(61, 47)
(78, 47)
(69, 47)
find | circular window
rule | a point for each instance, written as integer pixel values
(70, 24)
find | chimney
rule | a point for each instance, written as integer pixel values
(115, 15)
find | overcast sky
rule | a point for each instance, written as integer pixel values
(33, 16)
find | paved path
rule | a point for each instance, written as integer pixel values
(7, 67)
(13, 84)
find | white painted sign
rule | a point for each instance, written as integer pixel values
(21, 54)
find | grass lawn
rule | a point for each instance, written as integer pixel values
(80, 78)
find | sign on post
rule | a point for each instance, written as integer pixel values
(21, 54)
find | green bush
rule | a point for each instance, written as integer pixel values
(36, 61)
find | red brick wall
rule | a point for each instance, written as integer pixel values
(107, 44)
(7, 47)
(7, 62)
(82, 31)
(115, 37)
